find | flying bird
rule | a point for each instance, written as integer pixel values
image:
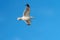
(26, 15)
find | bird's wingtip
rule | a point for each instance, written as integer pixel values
(27, 5)
(28, 24)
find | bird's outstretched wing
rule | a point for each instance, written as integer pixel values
(28, 22)
(27, 10)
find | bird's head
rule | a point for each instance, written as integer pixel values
(19, 18)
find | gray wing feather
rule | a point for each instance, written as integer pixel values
(28, 22)
(27, 11)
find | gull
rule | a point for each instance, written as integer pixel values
(26, 15)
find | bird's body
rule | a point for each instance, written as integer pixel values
(25, 18)
(26, 15)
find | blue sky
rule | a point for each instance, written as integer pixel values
(45, 25)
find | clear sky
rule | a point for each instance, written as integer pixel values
(45, 25)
